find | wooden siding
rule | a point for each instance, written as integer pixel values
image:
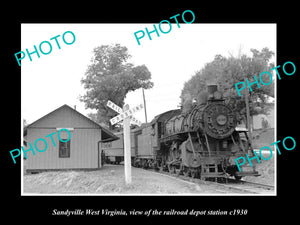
(84, 141)
(83, 150)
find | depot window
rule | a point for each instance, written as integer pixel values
(64, 148)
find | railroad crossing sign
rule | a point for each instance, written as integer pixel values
(125, 115)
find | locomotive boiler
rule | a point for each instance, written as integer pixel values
(204, 142)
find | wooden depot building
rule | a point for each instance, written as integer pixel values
(82, 151)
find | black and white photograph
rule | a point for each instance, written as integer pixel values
(171, 114)
(129, 109)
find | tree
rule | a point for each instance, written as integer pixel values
(226, 72)
(111, 77)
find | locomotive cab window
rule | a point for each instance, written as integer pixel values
(64, 149)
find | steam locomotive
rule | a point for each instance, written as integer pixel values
(202, 142)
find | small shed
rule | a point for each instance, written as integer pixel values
(82, 151)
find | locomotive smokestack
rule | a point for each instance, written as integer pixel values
(211, 89)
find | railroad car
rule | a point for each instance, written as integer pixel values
(113, 152)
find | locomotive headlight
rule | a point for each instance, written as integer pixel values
(217, 95)
(221, 119)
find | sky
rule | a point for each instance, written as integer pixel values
(53, 80)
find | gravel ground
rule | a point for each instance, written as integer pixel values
(110, 180)
(266, 169)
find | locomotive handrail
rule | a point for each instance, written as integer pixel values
(207, 143)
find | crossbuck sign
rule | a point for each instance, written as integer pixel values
(125, 115)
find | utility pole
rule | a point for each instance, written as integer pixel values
(248, 114)
(145, 109)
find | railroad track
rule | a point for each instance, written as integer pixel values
(251, 187)
(228, 185)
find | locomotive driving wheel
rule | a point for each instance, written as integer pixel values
(195, 173)
(179, 171)
(185, 171)
(171, 168)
